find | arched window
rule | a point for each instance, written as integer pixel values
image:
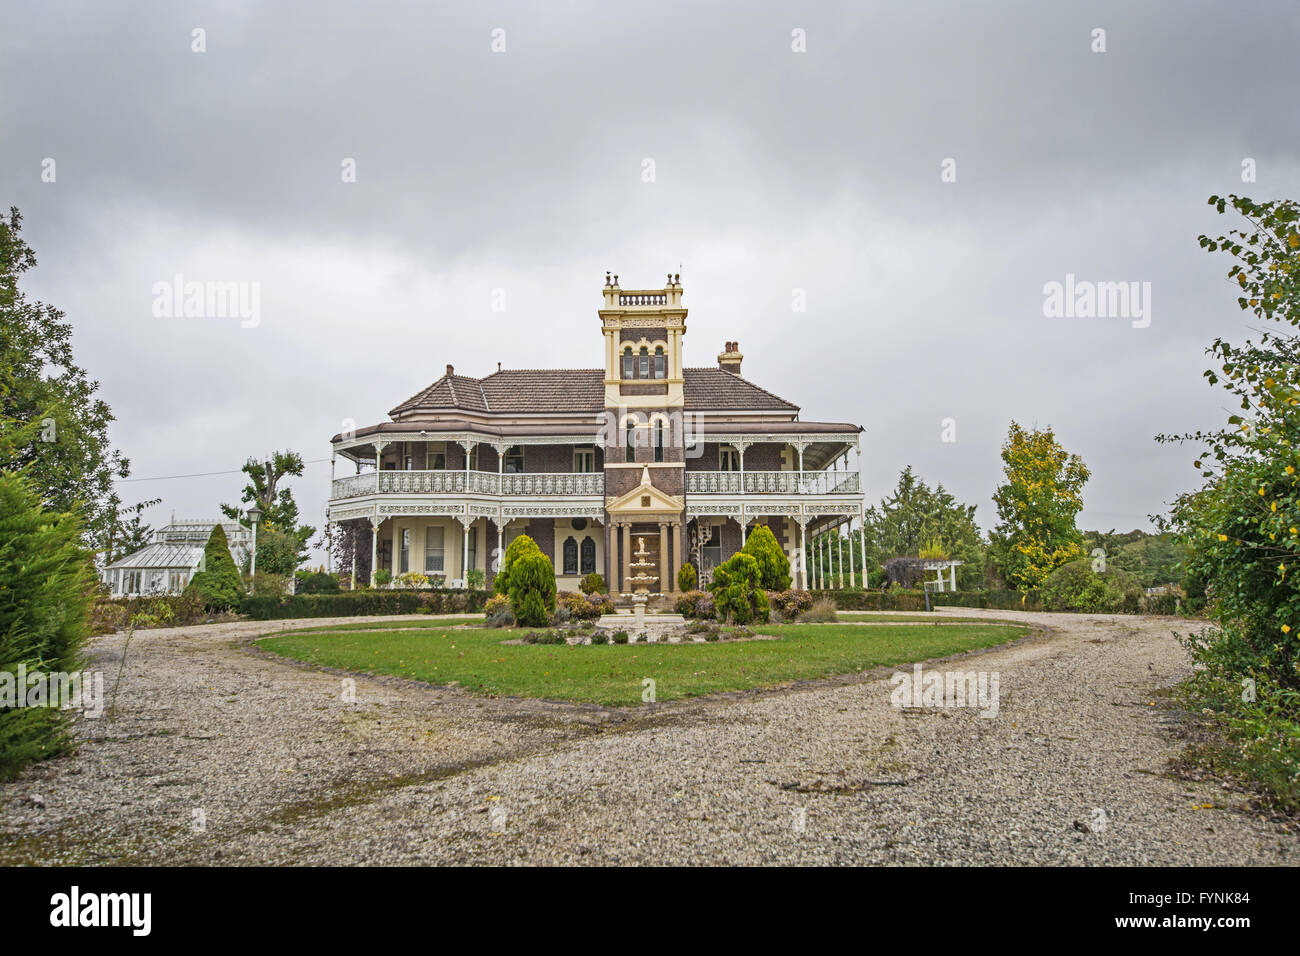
(659, 440)
(644, 370)
(631, 439)
(628, 371)
(588, 556)
(570, 556)
(661, 363)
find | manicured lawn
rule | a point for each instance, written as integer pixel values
(887, 616)
(476, 660)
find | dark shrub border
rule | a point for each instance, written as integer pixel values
(360, 603)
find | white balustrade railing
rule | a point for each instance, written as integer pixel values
(453, 482)
(771, 482)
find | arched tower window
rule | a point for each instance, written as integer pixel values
(588, 556)
(643, 370)
(659, 440)
(570, 556)
(628, 370)
(661, 363)
(631, 440)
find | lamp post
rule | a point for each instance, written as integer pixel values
(254, 515)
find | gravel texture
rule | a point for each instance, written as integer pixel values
(221, 754)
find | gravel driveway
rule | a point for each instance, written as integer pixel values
(222, 754)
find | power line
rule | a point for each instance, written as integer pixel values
(206, 474)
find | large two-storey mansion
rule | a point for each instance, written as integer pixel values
(641, 460)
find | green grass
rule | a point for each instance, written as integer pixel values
(477, 661)
(887, 617)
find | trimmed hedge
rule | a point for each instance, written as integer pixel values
(366, 602)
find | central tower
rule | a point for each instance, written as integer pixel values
(645, 458)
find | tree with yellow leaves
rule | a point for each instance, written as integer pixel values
(1037, 504)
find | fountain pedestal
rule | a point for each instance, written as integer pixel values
(639, 580)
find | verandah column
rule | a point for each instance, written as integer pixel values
(464, 551)
(839, 547)
(375, 522)
(853, 579)
(627, 556)
(664, 587)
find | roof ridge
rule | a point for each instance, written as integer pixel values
(487, 406)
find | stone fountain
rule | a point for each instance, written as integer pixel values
(640, 580)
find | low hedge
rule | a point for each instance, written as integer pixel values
(895, 599)
(366, 602)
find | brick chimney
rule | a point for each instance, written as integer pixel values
(451, 369)
(729, 358)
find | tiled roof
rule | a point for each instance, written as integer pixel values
(713, 389)
(580, 390)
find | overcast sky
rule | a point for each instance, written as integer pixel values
(523, 171)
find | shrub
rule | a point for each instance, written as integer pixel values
(363, 602)
(532, 589)
(475, 579)
(592, 584)
(791, 603)
(736, 590)
(316, 582)
(620, 637)
(383, 578)
(600, 637)
(773, 565)
(519, 547)
(496, 603)
(687, 577)
(272, 585)
(46, 589)
(412, 579)
(904, 572)
(585, 607)
(218, 585)
(823, 611)
(1075, 586)
(687, 602)
(561, 616)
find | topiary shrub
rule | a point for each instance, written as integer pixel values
(736, 591)
(773, 565)
(593, 584)
(519, 547)
(218, 584)
(687, 577)
(532, 589)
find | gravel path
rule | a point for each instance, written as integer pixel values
(222, 754)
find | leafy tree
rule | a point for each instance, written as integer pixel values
(217, 584)
(278, 552)
(517, 549)
(128, 535)
(737, 590)
(773, 565)
(267, 489)
(915, 515)
(1242, 528)
(687, 577)
(46, 580)
(67, 457)
(1037, 504)
(532, 589)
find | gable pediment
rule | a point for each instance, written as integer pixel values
(645, 500)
